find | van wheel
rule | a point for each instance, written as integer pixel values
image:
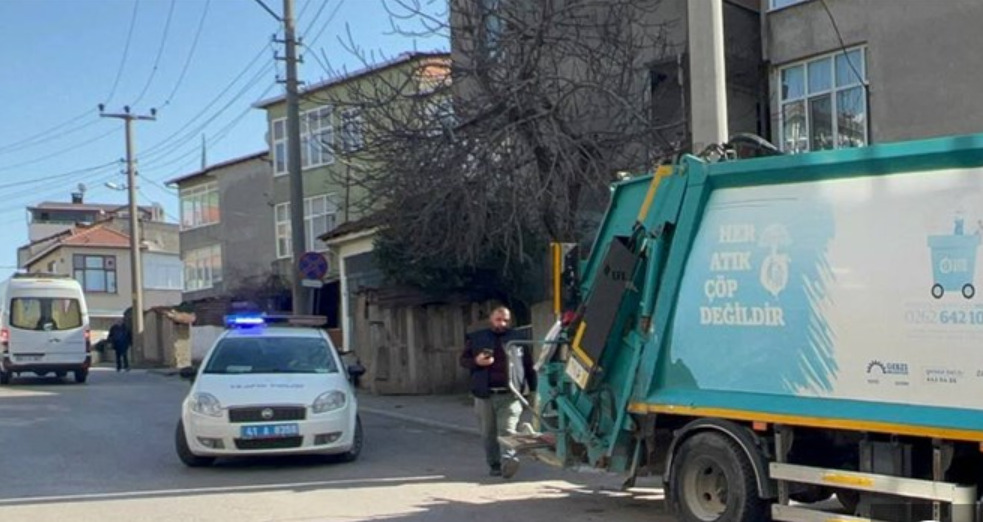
(713, 481)
(4, 377)
(81, 376)
(184, 452)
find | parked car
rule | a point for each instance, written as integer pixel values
(269, 385)
(44, 327)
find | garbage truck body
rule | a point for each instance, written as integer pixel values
(772, 335)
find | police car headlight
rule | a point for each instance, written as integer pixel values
(206, 404)
(329, 401)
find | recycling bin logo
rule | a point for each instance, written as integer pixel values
(954, 263)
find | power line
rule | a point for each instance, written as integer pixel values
(268, 10)
(218, 137)
(160, 152)
(326, 23)
(154, 149)
(126, 51)
(191, 52)
(61, 152)
(151, 200)
(55, 177)
(317, 15)
(160, 51)
(25, 141)
(94, 178)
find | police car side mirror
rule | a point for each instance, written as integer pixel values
(188, 373)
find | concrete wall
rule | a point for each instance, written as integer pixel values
(245, 229)
(923, 60)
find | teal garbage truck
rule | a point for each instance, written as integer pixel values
(794, 337)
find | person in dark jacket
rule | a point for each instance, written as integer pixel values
(497, 408)
(119, 339)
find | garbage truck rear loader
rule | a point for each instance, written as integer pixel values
(770, 334)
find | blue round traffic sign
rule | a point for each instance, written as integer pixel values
(313, 265)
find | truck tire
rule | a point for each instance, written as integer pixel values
(712, 480)
(184, 452)
(81, 376)
(4, 377)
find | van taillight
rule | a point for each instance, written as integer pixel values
(88, 340)
(5, 338)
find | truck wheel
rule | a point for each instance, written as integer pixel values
(81, 376)
(4, 377)
(184, 452)
(713, 481)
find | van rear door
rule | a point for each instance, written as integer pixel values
(46, 328)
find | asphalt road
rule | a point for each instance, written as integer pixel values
(104, 451)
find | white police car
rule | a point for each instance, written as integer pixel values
(269, 389)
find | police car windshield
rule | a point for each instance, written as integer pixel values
(255, 355)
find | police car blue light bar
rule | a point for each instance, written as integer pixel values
(253, 319)
(244, 320)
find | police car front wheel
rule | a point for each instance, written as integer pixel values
(184, 452)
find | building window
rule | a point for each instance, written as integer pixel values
(280, 146)
(823, 103)
(202, 268)
(778, 4)
(199, 206)
(439, 115)
(316, 140)
(162, 272)
(95, 273)
(352, 130)
(319, 218)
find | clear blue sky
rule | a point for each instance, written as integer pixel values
(61, 58)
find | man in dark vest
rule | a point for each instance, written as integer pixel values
(497, 408)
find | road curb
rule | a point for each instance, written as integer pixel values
(168, 372)
(417, 420)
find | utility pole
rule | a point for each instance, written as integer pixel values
(298, 237)
(136, 267)
(708, 78)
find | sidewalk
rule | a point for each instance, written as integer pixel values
(448, 412)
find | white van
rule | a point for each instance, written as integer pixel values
(44, 327)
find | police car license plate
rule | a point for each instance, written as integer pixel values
(270, 431)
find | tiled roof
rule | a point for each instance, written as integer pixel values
(97, 236)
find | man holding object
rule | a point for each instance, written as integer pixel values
(498, 410)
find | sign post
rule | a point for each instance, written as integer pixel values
(312, 267)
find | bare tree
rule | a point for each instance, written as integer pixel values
(476, 162)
